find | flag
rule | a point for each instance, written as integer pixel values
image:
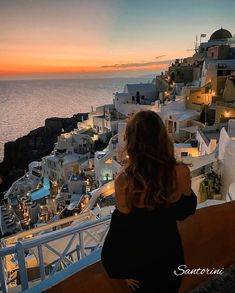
(203, 35)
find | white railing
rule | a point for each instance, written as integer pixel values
(52, 252)
(13, 239)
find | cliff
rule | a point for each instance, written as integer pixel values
(32, 147)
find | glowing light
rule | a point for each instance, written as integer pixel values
(226, 114)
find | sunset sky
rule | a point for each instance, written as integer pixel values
(103, 38)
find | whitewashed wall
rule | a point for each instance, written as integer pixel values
(205, 149)
(228, 174)
(127, 109)
(223, 141)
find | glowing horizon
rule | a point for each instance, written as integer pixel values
(102, 37)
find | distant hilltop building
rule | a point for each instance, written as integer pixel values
(207, 79)
(220, 46)
(221, 37)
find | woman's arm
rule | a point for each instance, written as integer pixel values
(184, 207)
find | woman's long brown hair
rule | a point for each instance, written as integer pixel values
(150, 166)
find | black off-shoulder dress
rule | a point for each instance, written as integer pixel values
(146, 245)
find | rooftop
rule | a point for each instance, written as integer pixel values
(212, 132)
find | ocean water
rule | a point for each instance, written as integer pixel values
(25, 104)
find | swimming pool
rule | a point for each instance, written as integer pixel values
(42, 192)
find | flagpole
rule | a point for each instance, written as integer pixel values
(202, 36)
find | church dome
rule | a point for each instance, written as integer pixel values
(220, 34)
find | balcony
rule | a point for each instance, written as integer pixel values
(208, 239)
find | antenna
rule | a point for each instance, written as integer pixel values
(195, 45)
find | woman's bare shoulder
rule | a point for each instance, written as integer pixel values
(121, 180)
(183, 177)
(183, 182)
(182, 169)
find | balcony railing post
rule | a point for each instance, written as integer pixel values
(22, 267)
(3, 281)
(41, 262)
(81, 242)
(78, 252)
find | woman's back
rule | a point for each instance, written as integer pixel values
(142, 237)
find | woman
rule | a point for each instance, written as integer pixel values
(143, 245)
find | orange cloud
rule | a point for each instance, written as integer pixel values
(137, 64)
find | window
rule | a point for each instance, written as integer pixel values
(175, 125)
(223, 72)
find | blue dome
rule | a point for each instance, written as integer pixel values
(220, 34)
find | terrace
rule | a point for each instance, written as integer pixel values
(207, 237)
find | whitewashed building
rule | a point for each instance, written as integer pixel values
(136, 97)
(72, 155)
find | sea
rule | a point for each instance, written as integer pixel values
(25, 104)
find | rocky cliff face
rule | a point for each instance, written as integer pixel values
(32, 147)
